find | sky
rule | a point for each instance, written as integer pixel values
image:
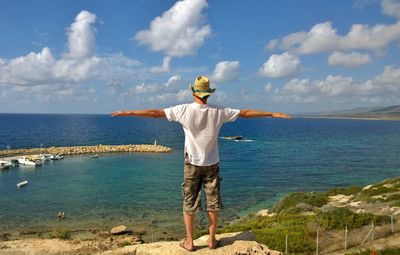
(87, 56)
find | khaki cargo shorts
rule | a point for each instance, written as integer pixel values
(194, 178)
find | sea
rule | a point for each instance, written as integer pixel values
(143, 190)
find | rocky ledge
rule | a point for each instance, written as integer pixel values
(239, 243)
(74, 150)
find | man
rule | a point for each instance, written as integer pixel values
(201, 123)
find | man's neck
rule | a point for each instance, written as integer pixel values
(200, 101)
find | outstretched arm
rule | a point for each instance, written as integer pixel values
(148, 113)
(255, 113)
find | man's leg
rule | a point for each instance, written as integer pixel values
(212, 221)
(191, 190)
(189, 224)
(212, 184)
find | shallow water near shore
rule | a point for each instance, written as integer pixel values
(142, 190)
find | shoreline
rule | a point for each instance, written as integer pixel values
(350, 118)
(136, 235)
(77, 150)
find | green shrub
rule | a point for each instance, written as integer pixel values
(376, 190)
(298, 241)
(392, 181)
(272, 231)
(397, 203)
(62, 234)
(344, 191)
(293, 199)
(339, 218)
(124, 243)
(393, 197)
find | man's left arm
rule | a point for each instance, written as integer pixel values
(256, 114)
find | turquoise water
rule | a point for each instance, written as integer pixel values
(142, 190)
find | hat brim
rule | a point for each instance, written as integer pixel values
(201, 94)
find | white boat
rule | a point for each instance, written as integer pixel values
(94, 156)
(235, 138)
(56, 157)
(4, 164)
(45, 157)
(29, 162)
(21, 184)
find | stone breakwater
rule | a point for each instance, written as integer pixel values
(75, 150)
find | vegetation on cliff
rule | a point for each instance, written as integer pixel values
(299, 215)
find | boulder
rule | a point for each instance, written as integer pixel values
(118, 230)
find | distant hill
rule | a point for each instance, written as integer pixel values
(389, 113)
(393, 110)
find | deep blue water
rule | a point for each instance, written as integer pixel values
(141, 189)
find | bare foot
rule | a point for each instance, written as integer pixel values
(212, 243)
(187, 245)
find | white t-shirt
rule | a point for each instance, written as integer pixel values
(201, 124)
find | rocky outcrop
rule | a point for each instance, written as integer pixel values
(74, 150)
(240, 243)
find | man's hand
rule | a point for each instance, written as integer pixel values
(280, 115)
(119, 113)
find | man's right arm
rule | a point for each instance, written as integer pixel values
(257, 114)
(148, 113)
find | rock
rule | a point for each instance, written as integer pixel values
(121, 229)
(129, 240)
(242, 243)
(265, 212)
(367, 187)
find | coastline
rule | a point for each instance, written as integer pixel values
(77, 150)
(362, 200)
(365, 201)
(350, 118)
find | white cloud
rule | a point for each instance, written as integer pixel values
(282, 65)
(323, 37)
(164, 67)
(182, 95)
(391, 8)
(268, 87)
(383, 88)
(78, 65)
(226, 71)
(272, 44)
(145, 88)
(361, 4)
(352, 59)
(178, 32)
(173, 81)
(81, 36)
(42, 68)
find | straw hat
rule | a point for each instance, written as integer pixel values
(201, 87)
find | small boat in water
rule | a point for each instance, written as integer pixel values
(236, 137)
(21, 184)
(4, 164)
(56, 157)
(94, 156)
(45, 157)
(29, 162)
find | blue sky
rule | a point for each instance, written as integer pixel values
(291, 56)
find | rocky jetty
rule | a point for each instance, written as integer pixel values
(75, 150)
